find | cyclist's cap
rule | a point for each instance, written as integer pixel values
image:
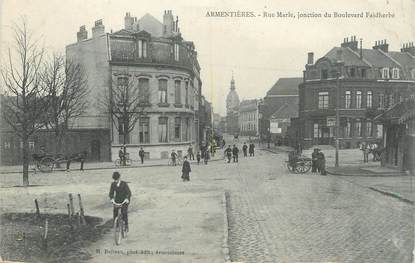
(116, 175)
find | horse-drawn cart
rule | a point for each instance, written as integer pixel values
(46, 163)
(297, 163)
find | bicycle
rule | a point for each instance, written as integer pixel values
(128, 161)
(119, 224)
(179, 161)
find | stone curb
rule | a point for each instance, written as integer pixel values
(225, 246)
(368, 174)
(103, 168)
(403, 199)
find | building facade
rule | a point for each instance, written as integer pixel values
(248, 117)
(367, 82)
(164, 70)
(232, 110)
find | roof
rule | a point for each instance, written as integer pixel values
(272, 104)
(400, 112)
(286, 111)
(151, 24)
(285, 86)
(348, 56)
(248, 105)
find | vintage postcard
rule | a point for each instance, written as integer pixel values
(207, 131)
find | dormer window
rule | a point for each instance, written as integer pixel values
(395, 73)
(363, 70)
(385, 73)
(324, 74)
(142, 48)
(352, 72)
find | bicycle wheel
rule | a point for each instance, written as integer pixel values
(117, 162)
(118, 229)
(46, 164)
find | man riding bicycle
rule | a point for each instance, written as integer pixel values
(120, 194)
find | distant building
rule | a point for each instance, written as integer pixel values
(371, 81)
(248, 117)
(283, 92)
(232, 109)
(280, 121)
(164, 67)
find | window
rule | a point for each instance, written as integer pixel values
(162, 129)
(358, 128)
(347, 132)
(176, 52)
(385, 73)
(381, 101)
(323, 100)
(177, 127)
(177, 92)
(186, 99)
(187, 130)
(363, 73)
(352, 72)
(324, 74)
(144, 90)
(369, 99)
(162, 90)
(6, 145)
(316, 130)
(347, 99)
(413, 73)
(143, 130)
(142, 48)
(368, 129)
(123, 132)
(395, 73)
(379, 129)
(31, 145)
(358, 99)
(391, 100)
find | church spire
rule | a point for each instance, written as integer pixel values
(232, 82)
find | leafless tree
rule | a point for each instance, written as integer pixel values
(24, 105)
(126, 103)
(67, 87)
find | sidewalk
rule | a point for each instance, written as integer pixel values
(102, 165)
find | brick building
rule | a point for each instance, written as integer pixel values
(248, 118)
(163, 66)
(370, 80)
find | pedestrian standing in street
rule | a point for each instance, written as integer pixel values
(314, 160)
(321, 162)
(366, 153)
(206, 156)
(223, 143)
(235, 153)
(251, 149)
(228, 153)
(198, 157)
(186, 169)
(82, 158)
(245, 149)
(141, 154)
(173, 157)
(190, 153)
(121, 156)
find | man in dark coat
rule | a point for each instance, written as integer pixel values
(314, 160)
(206, 156)
(173, 156)
(251, 149)
(321, 162)
(120, 193)
(198, 156)
(228, 153)
(245, 149)
(190, 153)
(141, 154)
(186, 170)
(235, 153)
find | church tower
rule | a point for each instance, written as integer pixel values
(232, 108)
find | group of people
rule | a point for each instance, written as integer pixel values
(368, 148)
(318, 162)
(233, 152)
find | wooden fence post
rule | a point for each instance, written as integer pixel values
(71, 204)
(69, 216)
(37, 209)
(81, 208)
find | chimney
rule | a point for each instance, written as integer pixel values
(98, 29)
(361, 49)
(382, 45)
(82, 34)
(128, 21)
(177, 24)
(353, 44)
(310, 60)
(408, 47)
(168, 23)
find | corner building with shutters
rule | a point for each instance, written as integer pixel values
(163, 66)
(371, 81)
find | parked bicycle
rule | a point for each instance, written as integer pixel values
(120, 231)
(128, 161)
(179, 161)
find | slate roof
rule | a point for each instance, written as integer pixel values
(286, 111)
(400, 112)
(285, 86)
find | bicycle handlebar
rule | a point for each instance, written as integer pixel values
(118, 204)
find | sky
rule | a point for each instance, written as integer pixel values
(256, 50)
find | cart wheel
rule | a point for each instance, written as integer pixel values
(46, 164)
(290, 168)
